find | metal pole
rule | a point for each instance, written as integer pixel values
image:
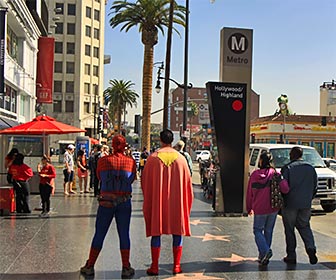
(95, 117)
(185, 92)
(284, 129)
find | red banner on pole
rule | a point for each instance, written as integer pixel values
(45, 70)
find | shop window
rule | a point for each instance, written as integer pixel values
(331, 150)
(12, 44)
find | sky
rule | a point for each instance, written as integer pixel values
(294, 50)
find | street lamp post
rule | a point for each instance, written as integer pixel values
(185, 90)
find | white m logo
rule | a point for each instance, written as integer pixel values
(238, 43)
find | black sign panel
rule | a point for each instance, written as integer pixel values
(227, 106)
(2, 49)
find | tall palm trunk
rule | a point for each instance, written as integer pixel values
(167, 70)
(147, 95)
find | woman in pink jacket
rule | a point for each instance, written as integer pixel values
(258, 203)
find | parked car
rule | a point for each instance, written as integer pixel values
(331, 163)
(326, 191)
(202, 155)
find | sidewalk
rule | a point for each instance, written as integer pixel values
(220, 247)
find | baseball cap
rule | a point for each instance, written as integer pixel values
(72, 147)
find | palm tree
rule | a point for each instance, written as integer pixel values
(118, 95)
(151, 16)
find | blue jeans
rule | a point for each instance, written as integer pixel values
(299, 219)
(263, 226)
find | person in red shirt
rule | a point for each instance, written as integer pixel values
(47, 174)
(21, 173)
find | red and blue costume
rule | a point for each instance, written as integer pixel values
(116, 173)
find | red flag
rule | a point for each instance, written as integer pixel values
(45, 70)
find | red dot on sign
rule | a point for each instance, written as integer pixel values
(237, 105)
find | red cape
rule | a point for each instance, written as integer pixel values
(167, 190)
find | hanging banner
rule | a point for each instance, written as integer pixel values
(2, 49)
(45, 70)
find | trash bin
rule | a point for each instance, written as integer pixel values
(7, 200)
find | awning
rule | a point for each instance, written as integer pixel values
(7, 123)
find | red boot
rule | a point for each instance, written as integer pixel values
(154, 268)
(177, 251)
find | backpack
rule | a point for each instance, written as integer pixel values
(276, 196)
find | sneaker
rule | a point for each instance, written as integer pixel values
(81, 192)
(266, 258)
(45, 215)
(72, 192)
(87, 270)
(127, 272)
(66, 193)
(312, 256)
(289, 260)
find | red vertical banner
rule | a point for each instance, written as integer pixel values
(45, 70)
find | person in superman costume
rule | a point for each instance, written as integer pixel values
(168, 195)
(116, 173)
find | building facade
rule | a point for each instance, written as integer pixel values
(17, 102)
(315, 131)
(328, 99)
(79, 63)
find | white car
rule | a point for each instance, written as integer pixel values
(331, 163)
(202, 155)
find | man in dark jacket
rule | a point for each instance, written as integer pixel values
(302, 179)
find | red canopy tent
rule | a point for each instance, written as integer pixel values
(42, 125)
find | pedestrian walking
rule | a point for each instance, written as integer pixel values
(47, 174)
(68, 170)
(21, 173)
(168, 195)
(179, 146)
(116, 173)
(82, 172)
(93, 161)
(302, 180)
(258, 203)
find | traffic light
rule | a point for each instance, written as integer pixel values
(137, 119)
(253, 138)
(324, 121)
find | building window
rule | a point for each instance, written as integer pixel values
(330, 149)
(58, 66)
(95, 89)
(57, 86)
(88, 12)
(96, 14)
(69, 106)
(96, 33)
(88, 31)
(58, 47)
(59, 28)
(70, 67)
(87, 50)
(86, 108)
(12, 44)
(87, 88)
(71, 29)
(8, 99)
(70, 48)
(87, 68)
(71, 9)
(59, 8)
(95, 52)
(95, 71)
(57, 104)
(70, 87)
